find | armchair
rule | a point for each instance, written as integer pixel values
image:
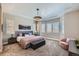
(64, 43)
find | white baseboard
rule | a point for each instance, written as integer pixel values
(5, 43)
(52, 39)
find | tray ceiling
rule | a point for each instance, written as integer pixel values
(28, 10)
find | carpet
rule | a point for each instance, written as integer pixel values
(51, 48)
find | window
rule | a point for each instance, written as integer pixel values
(56, 27)
(49, 27)
(33, 27)
(62, 27)
(43, 28)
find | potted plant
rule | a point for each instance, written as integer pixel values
(77, 43)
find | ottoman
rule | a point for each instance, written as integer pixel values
(37, 43)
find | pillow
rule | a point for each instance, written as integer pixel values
(30, 33)
(26, 35)
(19, 38)
(67, 40)
(23, 34)
(17, 35)
(20, 34)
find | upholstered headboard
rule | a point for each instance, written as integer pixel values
(29, 32)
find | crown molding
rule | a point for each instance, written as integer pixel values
(53, 17)
(18, 15)
(63, 13)
(68, 10)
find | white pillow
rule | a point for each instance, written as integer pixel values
(26, 35)
(19, 38)
(67, 39)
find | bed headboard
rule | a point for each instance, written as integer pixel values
(17, 33)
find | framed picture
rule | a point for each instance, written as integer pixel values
(24, 27)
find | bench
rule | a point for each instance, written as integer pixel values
(36, 44)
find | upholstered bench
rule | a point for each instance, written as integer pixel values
(38, 43)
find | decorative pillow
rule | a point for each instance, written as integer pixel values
(64, 39)
(67, 40)
(20, 34)
(26, 35)
(30, 33)
(19, 38)
(23, 34)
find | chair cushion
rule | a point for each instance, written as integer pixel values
(64, 39)
(64, 46)
(64, 43)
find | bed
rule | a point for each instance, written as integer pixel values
(24, 38)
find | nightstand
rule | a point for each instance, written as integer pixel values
(12, 40)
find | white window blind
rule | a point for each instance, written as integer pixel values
(49, 27)
(43, 28)
(56, 27)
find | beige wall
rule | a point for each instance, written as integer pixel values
(71, 24)
(0, 29)
(17, 20)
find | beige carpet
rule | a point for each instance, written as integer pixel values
(51, 48)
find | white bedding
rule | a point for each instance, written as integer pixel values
(19, 38)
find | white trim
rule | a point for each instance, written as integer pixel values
(18, 15)
(52, 39)
(62, 14)
(69, 10)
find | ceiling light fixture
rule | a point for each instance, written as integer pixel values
(37, 20)
(37, 17)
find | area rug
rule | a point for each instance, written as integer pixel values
(51, 48)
